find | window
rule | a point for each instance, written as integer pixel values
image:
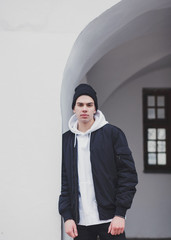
(157, 130)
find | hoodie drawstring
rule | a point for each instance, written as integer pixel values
(75, 139)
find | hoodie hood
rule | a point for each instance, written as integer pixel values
(99, 122)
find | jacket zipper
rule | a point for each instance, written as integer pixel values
(76, 185)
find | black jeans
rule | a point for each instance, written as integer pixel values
(101, 230)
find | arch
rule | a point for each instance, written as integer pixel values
(134, 36)
(124, 23)
(162, 63)
(129, 60)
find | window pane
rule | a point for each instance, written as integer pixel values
(161, 101)
(152, 133)
(162, 158)
(151, 101)
(151, 113)
(161, 146)
(151, 158)
(161, 113)
(161, 133)
(151, 146)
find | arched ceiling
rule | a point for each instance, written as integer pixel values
(134, 34)
(130, 59)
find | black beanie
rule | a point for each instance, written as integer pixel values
(84, 89)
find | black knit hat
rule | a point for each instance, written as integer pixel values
(84, 89)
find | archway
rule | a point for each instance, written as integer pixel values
(141, 35)
(112, 31)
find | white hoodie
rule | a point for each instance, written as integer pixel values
(87, 200)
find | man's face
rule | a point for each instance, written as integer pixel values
(85, 109)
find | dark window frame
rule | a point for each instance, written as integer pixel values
(157, 123)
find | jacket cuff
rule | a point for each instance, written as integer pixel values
(67, 215)
(120, 211)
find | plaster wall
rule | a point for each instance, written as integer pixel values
(30, 136)
(149, 216)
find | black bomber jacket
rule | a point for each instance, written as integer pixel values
(113, 171)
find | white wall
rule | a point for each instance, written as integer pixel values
(151, 210)
(30, 136)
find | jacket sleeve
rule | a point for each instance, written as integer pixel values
(64, 204)
(126, 175)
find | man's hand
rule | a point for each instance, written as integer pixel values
(71, 228)
(117, 226)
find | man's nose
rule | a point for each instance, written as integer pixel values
(84, 108)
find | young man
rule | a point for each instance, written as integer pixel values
(98, 173)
